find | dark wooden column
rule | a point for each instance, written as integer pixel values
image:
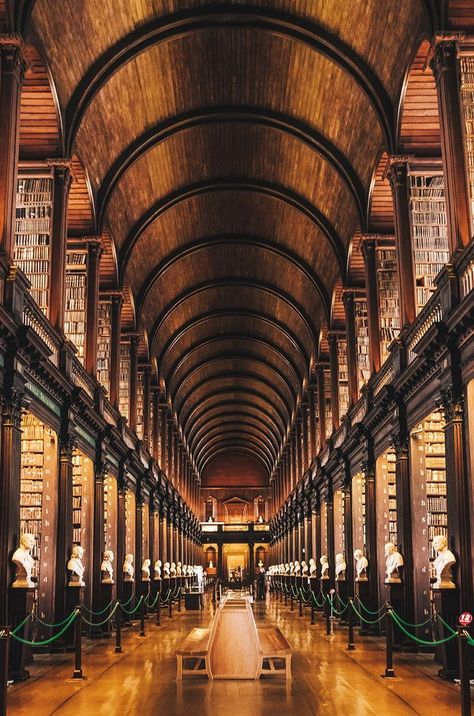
(169, 536)
(163, 545)
(94, 247)
(444, 64)
(371, 531)
(369, 245)
(321, 405)
(294, 459)
(10, 451)
(305, 436)
(12, 72)
(164, 436)
(458, 492)
(398, 176)
(134, 343)
(115, 336)
(64, 518)
(176, 458)
(152, 552)
(98, 536)
(146, 405)
(139, 499)
(330, 532)
(334, 373)
(298, 449)
(348, 539)
(61, 185)
(312, 420)
(405, 518)
(121, 489)
(155, 396)
(169, 456)
(349, 301)
(317, 530)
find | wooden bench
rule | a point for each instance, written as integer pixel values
(275, 651)
(192, 654)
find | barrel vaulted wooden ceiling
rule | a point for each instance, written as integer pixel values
(230, 148)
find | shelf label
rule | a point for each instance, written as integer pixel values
(465, 619)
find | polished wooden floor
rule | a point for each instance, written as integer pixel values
(326, 678)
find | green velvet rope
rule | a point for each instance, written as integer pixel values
(51, 626)
(125, 604)
(22, 623)
(104, 621)
(363, 619)
(151, 606)
(423, 642)
(333, 608)
(45, 642)
(165, 600)
(444, 623)
(415, 626)
(470, 640)
(369, 611)
(102, 611)
(343, 605)
(132, 611)
(315, 599)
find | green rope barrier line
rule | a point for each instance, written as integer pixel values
(52, 638)
(125, 604)
(445, 623)
(165, 600)
(415, 626)
(52, 626)
(150, 606)
(470, 640)
(333, 608)
(315, 599)
(132, 611)
(22, 623)
(102, 611)
(423, 642)
(363, 619)
(344, 605)
(107, 619)
(369, 611)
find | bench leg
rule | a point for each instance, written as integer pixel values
(288, 667)
(179, 672)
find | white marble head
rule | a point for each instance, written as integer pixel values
(24, 562)
(106, 567)
(443, 564)
(76, 567)
(296, 566)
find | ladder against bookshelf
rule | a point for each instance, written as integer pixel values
(104, 335)
(466, 71)
(140, 405)
(32, 248)
(110, 513)
(386, 505)
(76, 299)
(388, 298)
(429, 231)
(358, 516)
(429, 500)
(362, 341)
(130, 522)
(124, 382)
(343, 377)
(327, 402)
(339, 534)
(38, 489)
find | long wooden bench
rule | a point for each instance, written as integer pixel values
(192, 654)
(276, 652)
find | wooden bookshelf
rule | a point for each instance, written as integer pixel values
(82, 502)
(362, 341)
(124, 382)
(339, 533)
(429, 231)
(386, 501)
(466, 71)
(140, 405)
(324, 533)
(32, 247)
(388, 298)
(327, 402)
(145, 530)
(110, 513)
(104, 335)
(358, 514)
(130, 522)
(38, 489)
(429, 495)
(76, 299)
(343, 377)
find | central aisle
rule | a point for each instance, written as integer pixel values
(326, 679)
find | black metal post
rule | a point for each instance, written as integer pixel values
(118, 630)
(389, 672)
(142, 618)
(350, 626)
(77, 673)
(464, 675)
(4, 644)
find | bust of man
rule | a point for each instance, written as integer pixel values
(304, 569)
(146, 570)
(324, 567)
(297, 568)
(312, 567)
(185, 570)
(287, 568)
(443, 564)
(166, 570)
(76, 567)
(157, 569)
(173, 569)
(341, 567)
(24, 562)
(106, 567)
(178, 570)
(393, 561)
(292, 567)
(128, 568)
(361, 565)
(190, 570)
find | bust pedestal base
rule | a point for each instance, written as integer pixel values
(127, 594)
(394, 593)
(341, 590)
(74, 598)
(362, 590)
(20, 604)
(447, 604)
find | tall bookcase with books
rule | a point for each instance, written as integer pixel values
(104, 334)
(146, 530)
(76, 299)
(429, 231)
(124, 382)
(339, 533)
(140, 405)
(32, 248)
(110, 513)
(362, 341)
(386, 501)
(388, 299)
(130, 522)
(343, 377)
(82, 501)
(429, 496)
(466, 71)
(358, 515)
(324, 528)
(327, 402)
(38, 489)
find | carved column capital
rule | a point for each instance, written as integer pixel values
(12, 407)
(452, 404)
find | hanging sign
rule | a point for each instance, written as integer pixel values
(465, 619)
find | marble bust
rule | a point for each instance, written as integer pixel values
(166, 570)
(341, 567)
(393, 561)
(312, 567)
(179, 571)
(304, 569)
(76, 567)
(292, 567)
(324, 567)
(297, 568)
(146, 570)
(157, 569)
(128, 568)
(361, 565)
(287, 568)
(443, 564)
(173, 569)
(24, 562)
(185, 570)
(106, 567)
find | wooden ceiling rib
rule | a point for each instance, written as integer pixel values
(229, 150)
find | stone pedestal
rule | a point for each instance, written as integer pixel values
(74, 598)
(362, 590)
(447, 604)
(394, 593)
(341, 590)
(20, 604)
